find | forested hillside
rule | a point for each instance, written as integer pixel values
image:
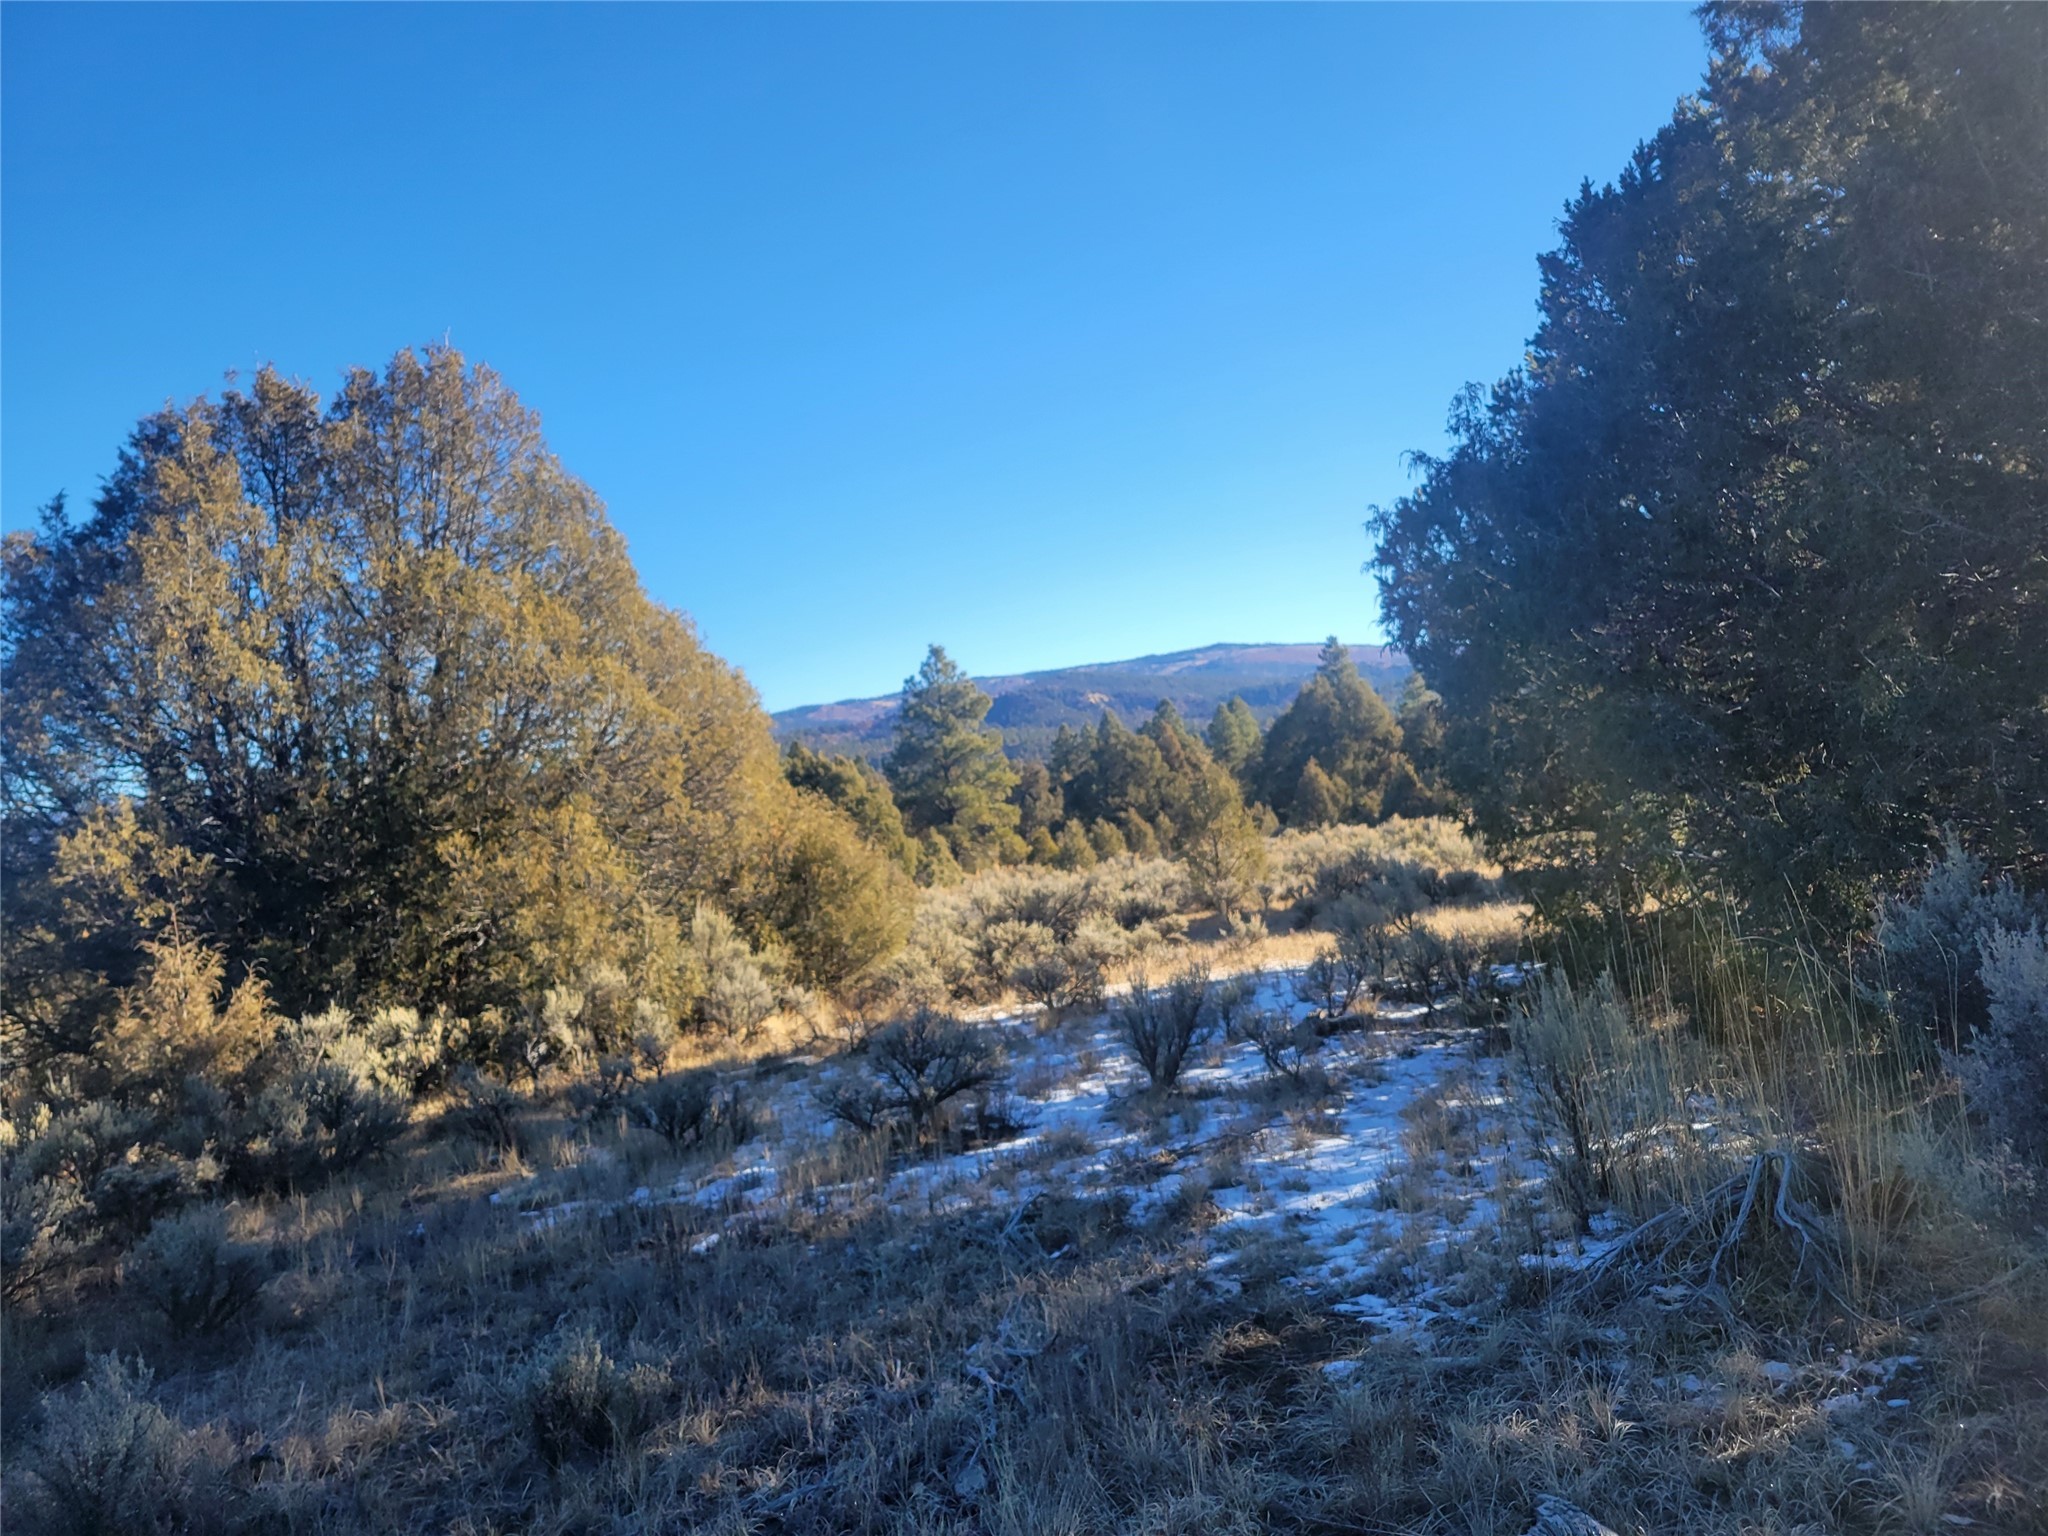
(1030, 707)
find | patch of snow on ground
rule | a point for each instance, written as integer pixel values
(1321, 1176)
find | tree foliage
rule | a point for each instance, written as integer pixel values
(1742, 580)
(1341, 729)
(948, 769)
(369, 697)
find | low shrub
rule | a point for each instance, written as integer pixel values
(691, 1109)
(1159, 1027)
(1288, 1047)
(110, 1462)
(194, 1272)
(1930, 945)
(582, 1405)
(915, 1069)
(317, 1122)
(2005, 1069)
(485, 1110)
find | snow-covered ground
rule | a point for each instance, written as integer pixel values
(1351, 1181)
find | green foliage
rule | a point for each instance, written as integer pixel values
(1740, 582)
(948, 770)
(368, 696)
(1235, 740)
(858, 788)
(1334, 753)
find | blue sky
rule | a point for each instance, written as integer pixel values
(1055, 334)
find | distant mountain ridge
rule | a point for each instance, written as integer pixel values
(1030, 707)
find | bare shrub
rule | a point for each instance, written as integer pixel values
(1329, 983)
(1160, 1026)
(1287, 1047)
(916, 1067)
(691, 1109)
(192, 1271)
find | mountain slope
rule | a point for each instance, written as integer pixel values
(1030, 707)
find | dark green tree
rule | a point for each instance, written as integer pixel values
(1234, 739)
(1338, 722)
(1742, 581)
(948, 769)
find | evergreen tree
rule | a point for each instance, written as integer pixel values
(1234, 739)
(1224, 852)
(1037, 798)
(369, 698)
(1340, 724)
(856, 787)
(1743, 579)
(948, 769)
(1318, 799)
(1074, 851)
(1106, 840)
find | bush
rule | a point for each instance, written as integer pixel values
(1075, 973)
(2005, 1069)
(109, 1462)
(193, 1272)
(485, 1110)
(738, 993)
(1930, 946)
(689, 1109)
(1160, 1027)
(917, 1067)
(41, 1220)
(1330, 983)
(582, 1404)
(1286, 1046)
(316, 1123)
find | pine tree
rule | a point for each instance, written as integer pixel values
(948, 769)
(1234, 738)
(1338, 722)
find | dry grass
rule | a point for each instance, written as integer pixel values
(832, 1360)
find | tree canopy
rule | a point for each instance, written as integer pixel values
(369, 696)
(1742, 581)
(947, 768)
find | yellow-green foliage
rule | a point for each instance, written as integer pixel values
(371, 697)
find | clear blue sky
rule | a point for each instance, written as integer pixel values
(1055, 334)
